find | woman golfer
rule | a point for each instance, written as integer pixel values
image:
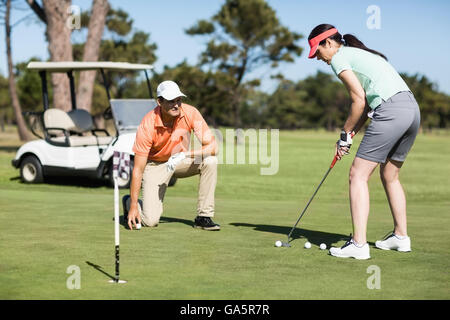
(378, 92)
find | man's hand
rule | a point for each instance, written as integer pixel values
(134, 215)
(344, 143)
(174, 161)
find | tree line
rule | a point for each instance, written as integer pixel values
(241, 37)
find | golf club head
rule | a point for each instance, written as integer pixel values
(287, 243)
(280, 243)
(117, 281)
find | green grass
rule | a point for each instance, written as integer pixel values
(46, 228)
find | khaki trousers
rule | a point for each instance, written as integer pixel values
(156, 179)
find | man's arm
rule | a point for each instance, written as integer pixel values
(135, 188)
(205, 136)
(209, 148)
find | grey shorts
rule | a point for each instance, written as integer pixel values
(393, 129)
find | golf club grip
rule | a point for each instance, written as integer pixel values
(333, 162)
(335, 157)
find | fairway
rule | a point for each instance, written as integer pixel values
(47, 228)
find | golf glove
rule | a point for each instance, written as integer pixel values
(174, 161)
(345, 140)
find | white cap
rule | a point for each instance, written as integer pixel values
(169, 90)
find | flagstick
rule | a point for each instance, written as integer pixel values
(116, 230)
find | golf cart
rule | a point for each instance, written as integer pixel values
(70, 144)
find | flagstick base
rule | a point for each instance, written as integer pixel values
(115, 281)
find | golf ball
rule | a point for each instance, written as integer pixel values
(278, 243)
(138, 226)
(307, 245)
(323, 246)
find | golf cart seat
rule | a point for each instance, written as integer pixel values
(60, 130)
(84, 123)
(82, 119)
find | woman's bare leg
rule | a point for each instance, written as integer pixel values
(389, 173)
(360, 173)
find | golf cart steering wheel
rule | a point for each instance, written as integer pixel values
(107, 114)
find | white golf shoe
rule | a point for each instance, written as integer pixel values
(394, 242)
(351, 250)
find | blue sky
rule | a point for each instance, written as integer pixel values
(412, 34)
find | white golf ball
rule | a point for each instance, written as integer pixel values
(138, 226)
(323, 246)
(307, 245)
(278, 243)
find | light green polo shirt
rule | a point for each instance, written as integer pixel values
(378, 78)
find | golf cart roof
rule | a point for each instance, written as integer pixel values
(65, 66)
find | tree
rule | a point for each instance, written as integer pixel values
(24, 134)
(135, 49)
(253, 109)
(286, 107)
(97, 21)
(5, 103)
(244, 35)
(328, 98)
(55, 14)
(434, 105)
(29, 87)
(204, 90)
(120, 43)
(317, 101)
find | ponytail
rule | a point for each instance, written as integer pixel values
(352, 41)
(347, 40)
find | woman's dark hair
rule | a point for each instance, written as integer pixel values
(347, 40)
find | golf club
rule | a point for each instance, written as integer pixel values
(287, 244)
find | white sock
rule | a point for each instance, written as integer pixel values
(400, 237)
(357, 244)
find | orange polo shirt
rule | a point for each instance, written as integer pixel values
(158, 143)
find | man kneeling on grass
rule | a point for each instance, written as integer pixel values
(162, 149)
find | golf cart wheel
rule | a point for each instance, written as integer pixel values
(31, 170)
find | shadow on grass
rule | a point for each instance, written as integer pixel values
(313, 236)
(99, 268)
(162, 220)
(177, 220)
(71, 181)
(9, 148)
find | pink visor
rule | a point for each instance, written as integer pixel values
(314, 42)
